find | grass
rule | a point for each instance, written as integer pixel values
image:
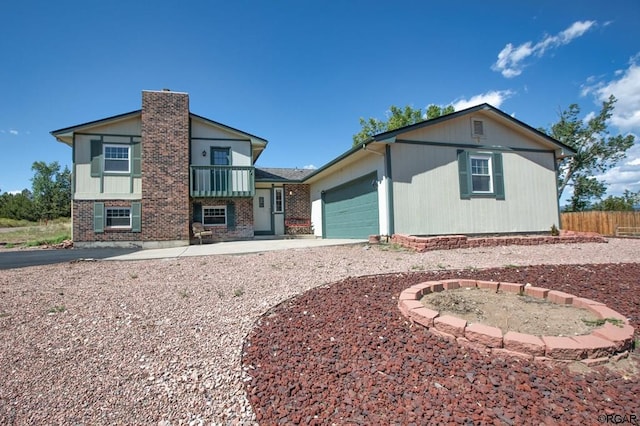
(600, 322)
(29, 234)
(56, 309)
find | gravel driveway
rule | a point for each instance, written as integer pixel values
(159, 342)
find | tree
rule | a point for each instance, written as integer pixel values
(51, 190)
(397, 118)
(627, 202)
(596, 152)
(18, 206)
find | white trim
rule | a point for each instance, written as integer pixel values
(275, 200)
(223, 207)
(104, 157)
(489, 159)
(106, 217)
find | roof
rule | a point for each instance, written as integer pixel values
(65, 135)
(282, 174)
(391, 136)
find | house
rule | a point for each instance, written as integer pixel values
(144, 177)
(475, 171)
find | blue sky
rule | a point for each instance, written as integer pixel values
(301, 73)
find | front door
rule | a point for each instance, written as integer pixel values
(219, 177)
(262, 212)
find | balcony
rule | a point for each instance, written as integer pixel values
(222, 181)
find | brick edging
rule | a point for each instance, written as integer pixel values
(602, 344)
(447, 242)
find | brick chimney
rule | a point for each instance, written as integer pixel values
(165, 166)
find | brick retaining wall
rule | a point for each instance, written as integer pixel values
(447, 242)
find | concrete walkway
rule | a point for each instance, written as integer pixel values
(233, 247)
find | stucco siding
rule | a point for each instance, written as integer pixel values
(427, 198)
(343, 175)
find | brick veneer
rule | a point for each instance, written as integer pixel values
(243, 227)
(83, 223)
(298, 206)
(447, 242)
(165, 166)
(602, 344)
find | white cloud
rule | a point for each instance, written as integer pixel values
(511, 58)
(494, 98)
(13, 132)
(309, 167)
(625, 86)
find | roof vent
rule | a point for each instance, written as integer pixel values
(477, 128)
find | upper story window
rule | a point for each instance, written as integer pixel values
(116, 158)
(481, 175)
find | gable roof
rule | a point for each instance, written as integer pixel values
(65, 135)
(391, 136)
(267, 174)
(485, 107)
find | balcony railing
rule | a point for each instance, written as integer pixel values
(222, 181)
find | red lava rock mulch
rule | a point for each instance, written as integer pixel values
(344, 354)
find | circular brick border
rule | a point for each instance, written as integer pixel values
(598, 347)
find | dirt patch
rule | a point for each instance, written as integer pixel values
(512, 312)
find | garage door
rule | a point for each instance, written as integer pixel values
(351, 209)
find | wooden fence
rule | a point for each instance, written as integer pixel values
(604, 223)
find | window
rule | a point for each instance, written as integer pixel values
(480, 174)
(481, 178)
(278, 200)
(214, 215)
(118, 217)
(116, 158)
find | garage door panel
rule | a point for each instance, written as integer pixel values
(351, 210)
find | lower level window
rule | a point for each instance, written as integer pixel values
(214, 215)
(118, 217)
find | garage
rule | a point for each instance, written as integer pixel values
(351, 209)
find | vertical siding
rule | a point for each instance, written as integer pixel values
(427, 199)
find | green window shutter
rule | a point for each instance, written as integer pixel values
(98, 217)
(197, 212)
(96, 158)
(464, 175)
(136, 217)
(231, 216)
(498, 176)
(136, 163)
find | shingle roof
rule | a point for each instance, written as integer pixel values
(281, 174)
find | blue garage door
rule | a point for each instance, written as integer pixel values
(351, 209)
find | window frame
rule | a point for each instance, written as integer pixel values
(105, 146)
(278, 198)
(221, 207)
(107, 210)
(489, 159)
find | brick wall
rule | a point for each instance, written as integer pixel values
(165, 166)
(243, 228)
(83, 223)
(298, 206)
